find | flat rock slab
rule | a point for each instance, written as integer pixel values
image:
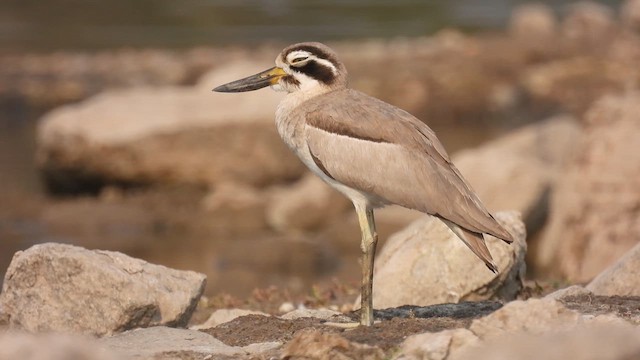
(23, 346)
(56, 287)
(167, 343)
(203, 139)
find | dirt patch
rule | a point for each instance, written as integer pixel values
(396, 325)
(626, 307)
(386, 334)
(252, 329)
(389, 334)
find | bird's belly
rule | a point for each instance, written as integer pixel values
(355, 195)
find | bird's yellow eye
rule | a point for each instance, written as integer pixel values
(299, 60)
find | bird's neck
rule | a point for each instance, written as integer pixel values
(298, 97)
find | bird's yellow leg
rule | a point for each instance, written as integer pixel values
(368, 246)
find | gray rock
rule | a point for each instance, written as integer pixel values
(596, 342)
(56, 287)
(594, 217)
(436, 346)
(204, 137)
(622, 278)
(23, 346)
(427, 264)
(168, 343)
(518, 170)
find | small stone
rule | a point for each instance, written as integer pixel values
(286, 307)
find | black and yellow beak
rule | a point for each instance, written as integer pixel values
(253, 82)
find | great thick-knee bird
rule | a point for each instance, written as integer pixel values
(372, 152)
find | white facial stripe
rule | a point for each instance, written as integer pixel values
(326, 63)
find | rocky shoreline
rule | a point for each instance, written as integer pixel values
(111, 306)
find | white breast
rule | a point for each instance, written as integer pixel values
(291, 127)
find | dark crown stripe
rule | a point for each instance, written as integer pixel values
(319, 53)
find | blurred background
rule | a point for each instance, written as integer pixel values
(111, 139)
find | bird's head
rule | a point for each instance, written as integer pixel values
(308, 67)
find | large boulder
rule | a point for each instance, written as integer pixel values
(518, 170)
(427, 264)
(594, 217)
(171, 134)
(622, 278)
(56, 287)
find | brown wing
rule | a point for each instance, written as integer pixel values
(375, 147)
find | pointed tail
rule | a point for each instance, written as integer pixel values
(475, 242)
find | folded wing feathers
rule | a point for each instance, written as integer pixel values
(369, 119)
